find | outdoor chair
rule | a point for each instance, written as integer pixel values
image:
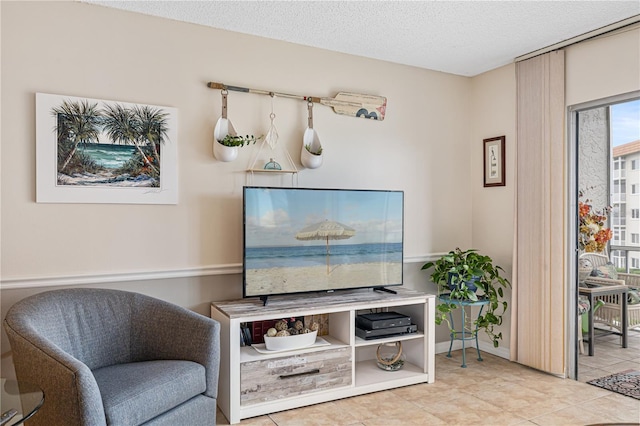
(610, 313)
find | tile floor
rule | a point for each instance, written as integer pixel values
(609, 356)
(493, 392)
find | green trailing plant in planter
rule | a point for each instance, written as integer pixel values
(317, 152)
(231, 140)
(467, 276)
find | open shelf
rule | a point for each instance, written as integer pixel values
(400, 338)
(276, 171)
(253, 383)
(368, 373)
(249, 354)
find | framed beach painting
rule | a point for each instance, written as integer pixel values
(494, 162)
(102, 151)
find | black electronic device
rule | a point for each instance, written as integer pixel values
(378, 320)
(381, 333)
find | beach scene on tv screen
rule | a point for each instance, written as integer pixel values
(299, 240)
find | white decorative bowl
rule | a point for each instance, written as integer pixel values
(286, 343)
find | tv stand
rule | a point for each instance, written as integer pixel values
(339, 365)
(264, 300)
(384, 289)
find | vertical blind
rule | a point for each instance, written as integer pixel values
(538, 308)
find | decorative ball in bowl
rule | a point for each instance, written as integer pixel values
(284, 343)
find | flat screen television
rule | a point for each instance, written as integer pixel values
(309, 240)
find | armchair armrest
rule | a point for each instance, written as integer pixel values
(166, 331)
(71, 393)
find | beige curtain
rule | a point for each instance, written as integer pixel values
(538, 297)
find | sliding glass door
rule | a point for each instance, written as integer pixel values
(606, 162)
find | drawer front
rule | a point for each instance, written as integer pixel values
(276, 378)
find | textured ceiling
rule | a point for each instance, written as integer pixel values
(459, 37)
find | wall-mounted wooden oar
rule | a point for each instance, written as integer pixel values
(353, 104)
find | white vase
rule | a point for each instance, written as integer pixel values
(311, 139)
(224, 153)
(309, 160)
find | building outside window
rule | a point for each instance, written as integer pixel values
(625, 176)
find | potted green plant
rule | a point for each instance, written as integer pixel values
(226, 149)
(467, 276)
(318, 151)
(233, 140)
(311, 155)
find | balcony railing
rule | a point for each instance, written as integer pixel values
(621, 256)
(619, 174)
(619, 198)
(618, 221)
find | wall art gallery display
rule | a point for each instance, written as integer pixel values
(102, 151)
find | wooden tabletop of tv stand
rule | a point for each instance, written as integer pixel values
(319, 302)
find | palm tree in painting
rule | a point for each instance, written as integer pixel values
(77, 122)
(152, 127)
(123, 126)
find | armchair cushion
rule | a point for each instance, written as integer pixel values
(633, 297)
(583, 305)
(136, 392)
(608, 270)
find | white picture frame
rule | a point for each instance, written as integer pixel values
(158, 186)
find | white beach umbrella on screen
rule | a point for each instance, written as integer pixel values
(327, 230)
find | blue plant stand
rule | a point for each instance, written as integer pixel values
(464, 333)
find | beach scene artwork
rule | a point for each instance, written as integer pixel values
(300, 240)
(108, 145)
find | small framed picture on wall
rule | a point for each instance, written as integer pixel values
(494, 170)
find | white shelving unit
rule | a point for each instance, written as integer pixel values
(253, 384)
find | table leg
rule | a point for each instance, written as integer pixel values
(477, 345)
(624, 319)
(591, 330)
(452, 334)
(464, 359)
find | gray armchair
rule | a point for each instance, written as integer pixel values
(109, 357)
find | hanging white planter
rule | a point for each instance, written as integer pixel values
(311, 154)
(224, 153)
(309, 160)
(222, 129)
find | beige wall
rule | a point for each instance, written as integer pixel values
(603, 67)
(494, 114)
(102, 53)
(430, 146)
(90, 51)
(595, 69)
